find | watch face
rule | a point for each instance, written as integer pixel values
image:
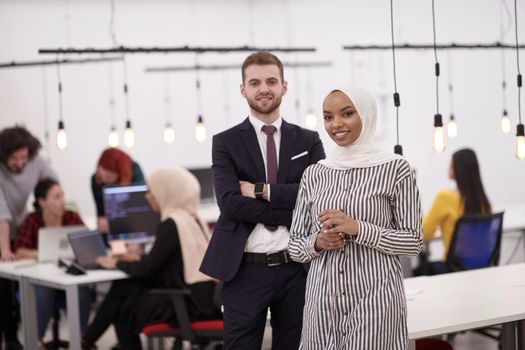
(259, 188)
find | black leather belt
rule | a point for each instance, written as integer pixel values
(271, 259)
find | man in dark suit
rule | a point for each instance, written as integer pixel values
(257, 167)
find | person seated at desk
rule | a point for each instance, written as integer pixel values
(173, 262)
(49, 212)
(450, 205)
(114, 167)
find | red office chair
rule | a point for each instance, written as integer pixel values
(196, 332)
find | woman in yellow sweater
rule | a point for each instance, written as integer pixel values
(449, 206)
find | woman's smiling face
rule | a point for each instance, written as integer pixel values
(341, 120)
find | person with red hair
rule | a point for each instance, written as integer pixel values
(114, 167)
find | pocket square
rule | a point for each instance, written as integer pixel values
(300, 155)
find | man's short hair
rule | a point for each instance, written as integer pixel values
(262, 58)
(15, 138)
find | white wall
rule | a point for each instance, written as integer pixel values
(26, 26)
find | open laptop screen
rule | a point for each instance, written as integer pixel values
(53, 243)
(87, 246)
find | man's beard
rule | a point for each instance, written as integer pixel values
(15, 171)
(268, 109)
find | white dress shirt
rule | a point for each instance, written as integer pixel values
(261, 239)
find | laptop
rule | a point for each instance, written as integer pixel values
(53, 243)
(87, 246)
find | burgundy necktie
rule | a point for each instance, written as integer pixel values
(271, 160)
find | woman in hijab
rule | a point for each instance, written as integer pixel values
(173, 262)
(356, 212)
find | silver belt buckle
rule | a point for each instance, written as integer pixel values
(269, 261)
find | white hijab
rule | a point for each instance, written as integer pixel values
(177, 193)
(362, 153)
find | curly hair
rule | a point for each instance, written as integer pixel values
(15, 138)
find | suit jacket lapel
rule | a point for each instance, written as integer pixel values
(288, 135)
(249, 137)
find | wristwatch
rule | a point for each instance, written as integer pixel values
(258, 190)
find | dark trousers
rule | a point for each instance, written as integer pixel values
(247, 297)
(116, 309)
(9, 311)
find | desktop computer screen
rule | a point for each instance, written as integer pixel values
(205, 177)
(129, 215)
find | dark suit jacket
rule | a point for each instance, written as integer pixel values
(237, 156)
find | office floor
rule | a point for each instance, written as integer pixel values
(464, 341)
(513, 251)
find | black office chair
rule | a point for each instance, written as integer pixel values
(475, 244)
(201, 334)
(56, 343)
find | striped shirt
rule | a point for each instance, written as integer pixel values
(355, 297)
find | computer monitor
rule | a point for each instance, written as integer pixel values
(205, 178)
(129, 215)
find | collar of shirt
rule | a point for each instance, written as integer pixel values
(257, 124)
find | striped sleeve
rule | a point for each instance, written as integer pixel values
(302, 240)
(406, 237)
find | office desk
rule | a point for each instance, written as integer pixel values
(13, 270)
(49, 275)
(514, 219)
(209, 212)
(467, 300)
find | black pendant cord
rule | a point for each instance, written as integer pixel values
(126, 92)
(398, 149)
(60, 110)
(46, 115)
(436, 58)
(519, 78)
(503, 63)
(198, 87)
(112, 114)
(167, 99)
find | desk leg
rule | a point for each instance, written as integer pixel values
(521, 335)
(508, 336)
(73, 316)
(28, 313)
(411, 344)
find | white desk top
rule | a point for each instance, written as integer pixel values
(13, 269)
(465, 300)
(209, 212)
(50, 274)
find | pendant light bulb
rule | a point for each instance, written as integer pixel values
(310, 120)
(452, 127)
(129, 135)
(200, 130)
(169, 134)
(520, 142)
(113, 139)
(505, 122)
(439, 135)
(61, 136)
